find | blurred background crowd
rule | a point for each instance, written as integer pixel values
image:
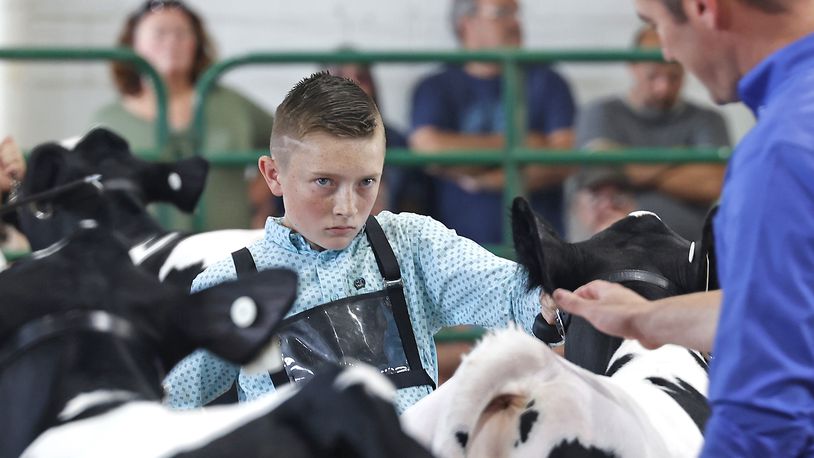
(428, 107)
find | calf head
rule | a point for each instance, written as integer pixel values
(80, 317)
(639, 251)
(129, 185)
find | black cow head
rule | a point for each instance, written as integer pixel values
(129, 185)
(80, 317)
(639, 251)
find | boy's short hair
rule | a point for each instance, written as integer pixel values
(325, 103)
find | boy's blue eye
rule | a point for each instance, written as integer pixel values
(323, 181)
(368, 182)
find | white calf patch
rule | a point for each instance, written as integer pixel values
(174, 180)
(269, 360)
(88, 224)
(85, 401)
(374, 382)
(640, 213)
(243, 312)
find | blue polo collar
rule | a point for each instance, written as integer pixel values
(762, 82)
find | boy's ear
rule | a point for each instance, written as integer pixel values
(270, 170)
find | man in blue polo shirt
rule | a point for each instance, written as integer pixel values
(762, 376)
(460, 108)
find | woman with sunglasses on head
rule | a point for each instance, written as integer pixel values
(172, 38)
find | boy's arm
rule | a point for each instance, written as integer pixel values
(198, 380)
(469, 285)
(201, 377)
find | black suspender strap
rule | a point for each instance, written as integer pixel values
(389, 268)
(244, 262)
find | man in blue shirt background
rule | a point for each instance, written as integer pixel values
(762, 376)
(461, 108)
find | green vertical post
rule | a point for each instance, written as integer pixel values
(514, 109)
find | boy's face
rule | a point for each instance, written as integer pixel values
(328, 185)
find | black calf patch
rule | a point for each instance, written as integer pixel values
(574, 449)
(700, 361)
(618, 364)
(462, 437)
(688, 398)
(527, 420)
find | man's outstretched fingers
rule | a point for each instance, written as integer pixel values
(570, 302)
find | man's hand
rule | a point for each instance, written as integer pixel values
(610, 307)
(548, 309)
(12, 164)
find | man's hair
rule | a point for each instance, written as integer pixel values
(125, 75)
(676, 7)
(459, 10)
(326, 103)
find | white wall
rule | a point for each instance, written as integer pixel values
(47, 101)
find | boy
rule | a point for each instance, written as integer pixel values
(355, 298)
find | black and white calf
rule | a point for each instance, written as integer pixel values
(512, 396)
(129, 184)
(85, 339)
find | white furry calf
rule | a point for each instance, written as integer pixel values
(513, 397)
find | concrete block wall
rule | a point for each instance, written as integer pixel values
(49, 101)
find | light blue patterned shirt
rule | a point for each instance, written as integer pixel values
(448, 280)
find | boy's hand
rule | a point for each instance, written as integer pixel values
(12, 164)
(548, 308)
(610, 307)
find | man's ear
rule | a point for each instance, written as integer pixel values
(711, 13)
(270, 170)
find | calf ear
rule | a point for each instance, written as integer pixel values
(100, 144)
(180, 183)
(543, 254)
(236, 320)
(705, 259)
(47, 167)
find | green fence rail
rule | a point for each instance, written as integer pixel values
(510, 157)
(103, 54)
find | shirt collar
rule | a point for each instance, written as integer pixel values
(759, 83)
(290, 240)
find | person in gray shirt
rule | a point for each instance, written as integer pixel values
(653, 114)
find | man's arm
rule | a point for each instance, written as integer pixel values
(538, 176)
(688, 320)
(431, 140)
(12, 165)
(700, 183)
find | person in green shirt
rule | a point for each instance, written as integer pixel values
(172, 38)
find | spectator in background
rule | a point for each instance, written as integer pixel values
(653, 114)
(12, 170)
(12, 166)
(401, 189)
(601, 197)
(172, 38)
(460, 108)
